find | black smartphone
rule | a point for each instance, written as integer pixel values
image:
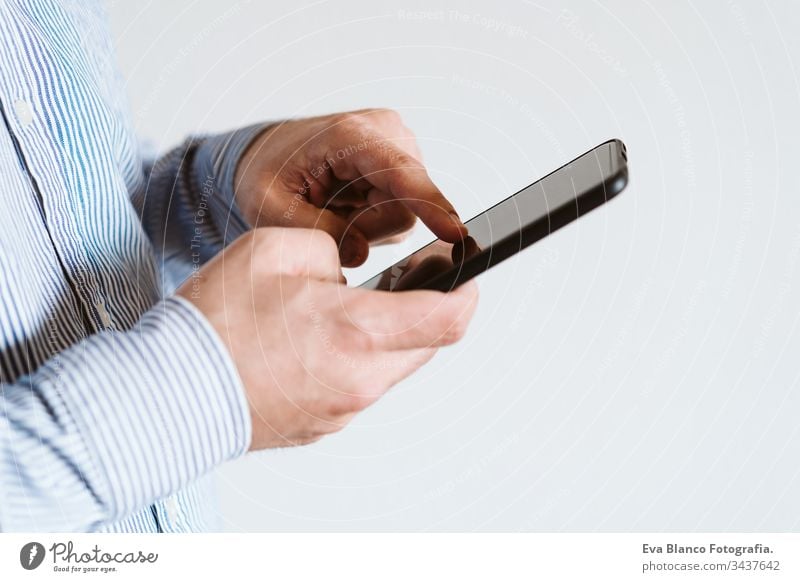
(513, 224)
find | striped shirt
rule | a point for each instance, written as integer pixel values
(116, 400)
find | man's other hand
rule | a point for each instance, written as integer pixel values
(357, 176)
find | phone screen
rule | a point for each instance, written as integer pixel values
(506, 220)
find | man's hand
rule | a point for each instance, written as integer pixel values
(310, 351)
(357, 176)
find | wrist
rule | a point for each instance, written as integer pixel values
(214, 166)
(246, 169)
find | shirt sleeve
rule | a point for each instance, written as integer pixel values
(118, 421)
(188, 206)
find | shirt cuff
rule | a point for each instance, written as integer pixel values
(214, 170)
(158, 405)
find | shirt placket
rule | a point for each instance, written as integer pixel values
(25, 113)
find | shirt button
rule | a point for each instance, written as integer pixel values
(105, 318)
(24, 112)
(171, 507)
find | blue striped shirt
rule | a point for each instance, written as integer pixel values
(116, 400)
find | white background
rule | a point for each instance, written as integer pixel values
(637, 370)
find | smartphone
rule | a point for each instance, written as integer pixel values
(513, 224)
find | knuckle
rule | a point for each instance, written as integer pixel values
(362, 313)
(254, 237)
(265, 235)
(400, 160)
(264, 241)
(346, 123)
(364, 341)
(405, 222)
(388, 114)
(323, 243)
(363, 401)
(452, 326)
(354, 402)
(302, 239)
(332, 427)
(343, 406)
(454, 332)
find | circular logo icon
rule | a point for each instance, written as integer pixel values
(31, 555)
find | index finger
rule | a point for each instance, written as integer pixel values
(396, 172)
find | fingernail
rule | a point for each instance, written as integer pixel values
(457, 220)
